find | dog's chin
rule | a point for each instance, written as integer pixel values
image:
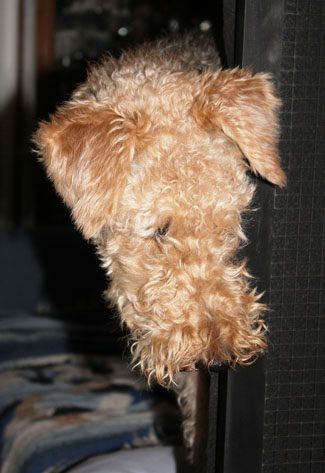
(164, 350)
(160, 363)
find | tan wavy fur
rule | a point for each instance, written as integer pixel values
(151, 155)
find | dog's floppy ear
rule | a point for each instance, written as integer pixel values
(87, 156)
(244, 107)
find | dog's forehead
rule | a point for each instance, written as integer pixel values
(181, 179)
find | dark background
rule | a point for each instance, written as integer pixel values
(294, 430)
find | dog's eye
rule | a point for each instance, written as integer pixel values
(161, 232)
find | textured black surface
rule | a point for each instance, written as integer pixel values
(294, 407)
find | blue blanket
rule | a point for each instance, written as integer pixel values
(59, 405)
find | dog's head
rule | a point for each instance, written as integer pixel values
(155, 173)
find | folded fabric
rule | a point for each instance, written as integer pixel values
(61, 407)
(132, 461)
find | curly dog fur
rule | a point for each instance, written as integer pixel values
(151, 155)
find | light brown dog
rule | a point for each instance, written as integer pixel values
(151, 155)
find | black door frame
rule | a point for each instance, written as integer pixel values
(252, 37)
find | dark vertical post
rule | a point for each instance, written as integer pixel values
(240, 394)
